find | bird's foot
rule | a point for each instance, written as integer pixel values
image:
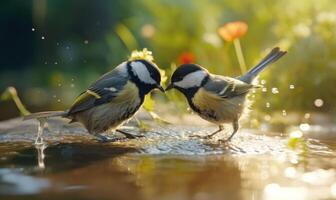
(129, 135)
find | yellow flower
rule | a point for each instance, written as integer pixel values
(144, 54)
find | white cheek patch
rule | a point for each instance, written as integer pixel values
(193, 79)
(122, 68)
(140, 70)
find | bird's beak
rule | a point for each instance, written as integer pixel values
(160, 88)
(170, 86)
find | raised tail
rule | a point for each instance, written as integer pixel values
(273, 56)
(46, 114)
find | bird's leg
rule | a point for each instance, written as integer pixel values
(220, 128)
(128, 135)
(235, 126)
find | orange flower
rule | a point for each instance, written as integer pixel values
(186, 58)
(233, 30)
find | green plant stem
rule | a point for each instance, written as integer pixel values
(12, 91)
(240, 55)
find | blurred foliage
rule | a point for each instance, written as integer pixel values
(84, 39)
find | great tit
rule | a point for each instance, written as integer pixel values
(113, 99)
(218, 99)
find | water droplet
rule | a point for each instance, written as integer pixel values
(72, 79)
(290, 172)
(58, 100)
(42, 37)
(56, 63)
(59, 84)
(268, 105)
(57, 44)
(284, 113)
(296, 134)
(275, 90)
(72, 85)
(86, 41)
(318, 102)
(33, 29)
(253, 96)
(267, 117)
(304, 127)
(67, 47)
(45, 62)
(264, 89)
(54, 96)
(291, 87)
(307, 116)
(263, 82)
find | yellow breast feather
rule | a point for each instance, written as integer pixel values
(129, 93)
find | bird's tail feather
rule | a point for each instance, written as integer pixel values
(46, 114)
(271, 57)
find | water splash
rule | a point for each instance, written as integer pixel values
(304, 127)
(40, 131)
(284, 113)
(318, 102)
(275, 90)
(40, 155)
(307, 115)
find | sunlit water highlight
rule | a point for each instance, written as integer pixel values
(166, 164)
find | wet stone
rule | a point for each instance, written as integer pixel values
(164, 164)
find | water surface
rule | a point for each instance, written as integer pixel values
(166, 164)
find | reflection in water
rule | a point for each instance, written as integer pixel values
(184, 177)
(15, 182)
(316, 184)
(167, 164)
(273, 191)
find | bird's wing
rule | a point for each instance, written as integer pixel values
(226, 87)
(102, 91)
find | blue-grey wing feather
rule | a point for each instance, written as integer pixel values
(111, 81)
(226, 87)
(107, 87)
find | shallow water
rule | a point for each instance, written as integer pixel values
(166, 164)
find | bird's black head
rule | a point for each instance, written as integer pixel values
(145, 74)
(188, 78)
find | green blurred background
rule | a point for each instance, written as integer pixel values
(52, 50)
